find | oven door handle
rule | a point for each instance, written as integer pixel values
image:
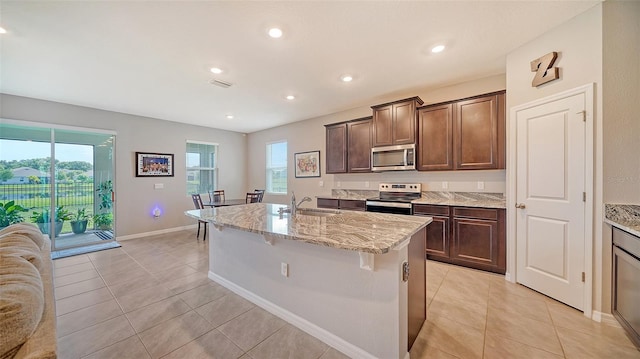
(388, 204)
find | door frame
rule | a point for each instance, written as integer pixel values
(53, 127)
(588, 92)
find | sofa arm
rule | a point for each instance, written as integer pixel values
(42, 343)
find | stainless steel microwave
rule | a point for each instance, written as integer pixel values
(393, 158)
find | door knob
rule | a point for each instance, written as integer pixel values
(520, 205)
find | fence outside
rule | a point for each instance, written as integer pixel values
(70, 195)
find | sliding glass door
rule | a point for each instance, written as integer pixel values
(64, 177)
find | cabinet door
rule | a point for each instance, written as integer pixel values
(352, 204)
(337, 148)
(404, 123)
(435, 138)
(359, 145)
(383, 126)
(476, 133)
(475, 241)
(438, 237)
(328, 203)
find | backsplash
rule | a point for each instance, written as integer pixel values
(353, 194)
(475, 199)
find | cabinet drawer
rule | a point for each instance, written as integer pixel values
(430, 209)
(352, 204)
(470, 212)
(328, 203)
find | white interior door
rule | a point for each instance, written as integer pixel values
(550, 190)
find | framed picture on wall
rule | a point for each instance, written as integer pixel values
(154, 164)
(307, 164)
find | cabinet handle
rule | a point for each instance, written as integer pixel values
(520, 205)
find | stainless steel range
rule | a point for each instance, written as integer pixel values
(395, 198)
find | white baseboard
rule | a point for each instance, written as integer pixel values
(154, 233)
(605, 318)
(336, 342)
(507, 277)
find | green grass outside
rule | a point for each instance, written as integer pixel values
(72, 196)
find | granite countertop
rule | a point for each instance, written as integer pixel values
(359, 195)
(368, 232)
(623, 216)
(466, 199)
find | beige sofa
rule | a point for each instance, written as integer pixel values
(27, 304)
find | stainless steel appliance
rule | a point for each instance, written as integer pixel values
(626, 282)
(393, 158)
(394, 198)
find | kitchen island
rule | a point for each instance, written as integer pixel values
(337, 275)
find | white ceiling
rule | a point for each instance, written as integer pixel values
(152, 58)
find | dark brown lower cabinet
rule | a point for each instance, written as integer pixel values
(328, 203)
(417, 290)
(468, 236)
(349, 204)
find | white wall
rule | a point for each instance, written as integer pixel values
(579, 46)
(136, 197)
(621, 55)
(309, 135)
(621, 119)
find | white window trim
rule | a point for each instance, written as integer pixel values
(267, 168)
(214, 169)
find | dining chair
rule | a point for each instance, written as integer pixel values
(197, 202)
(261, 192)
(253, 197)
(216, 196)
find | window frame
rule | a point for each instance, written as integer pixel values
(269, 168)
(214, 171)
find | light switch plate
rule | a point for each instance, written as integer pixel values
(366, 184)
(158, 186)
(338, 184)
(445, 184)
(321, 183)
(480, 185)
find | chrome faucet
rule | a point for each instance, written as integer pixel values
(306, 199)
(293, 208)
(294, 205)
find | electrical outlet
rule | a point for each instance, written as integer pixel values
(284, 269)
(445, 184)
(338, 184)
(480, 185)
(158, 185)
(366, 184)
(321, 183)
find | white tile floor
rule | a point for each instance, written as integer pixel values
(152, 299)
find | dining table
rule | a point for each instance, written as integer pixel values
(225, 202)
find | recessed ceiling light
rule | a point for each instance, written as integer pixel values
(438, 48)
(275, 32)
(2, 30)
(290, 97)
(216, 70)
(346, 78)
(229, 117)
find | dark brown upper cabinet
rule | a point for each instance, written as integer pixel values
(394, 123)
(349, 146)
(479, 133)
(359, 145)
(435, 138)
(462, 135)
(336, 148)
